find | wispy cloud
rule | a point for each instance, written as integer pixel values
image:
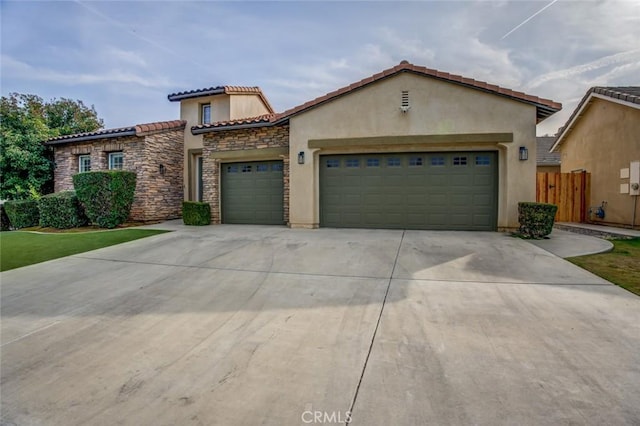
(16, 69)
(528, 19)
(135, 34)
(629, 57)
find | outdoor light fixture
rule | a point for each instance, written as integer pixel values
(524, 153)
(301, 157)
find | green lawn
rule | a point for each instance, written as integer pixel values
(620, 266)
(19, 248)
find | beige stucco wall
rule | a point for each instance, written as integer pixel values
(244, 106)
(436, 108)
(604, 140)
(223, 107)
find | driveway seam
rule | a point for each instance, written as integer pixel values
(375, 331)
(313, 274)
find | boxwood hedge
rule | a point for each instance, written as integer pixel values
(194, 213)
(106, 195)
(22, 213)
(536, 219)
(61, 210)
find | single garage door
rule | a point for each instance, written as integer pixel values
(436, 190)
(252, 193)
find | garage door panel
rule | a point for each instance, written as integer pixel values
(252, 193)
(415, 191)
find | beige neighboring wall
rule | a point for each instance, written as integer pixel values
(223, 108)
(437, 108)
(548, 169)
(605, 139)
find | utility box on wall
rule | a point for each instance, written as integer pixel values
(634, 178)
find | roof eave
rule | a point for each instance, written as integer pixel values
(129, 132)
(182, 96)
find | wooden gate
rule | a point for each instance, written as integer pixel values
(569, 191)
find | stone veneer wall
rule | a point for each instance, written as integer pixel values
(158, 196)
(240, 140)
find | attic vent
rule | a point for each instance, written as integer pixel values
(404, 105)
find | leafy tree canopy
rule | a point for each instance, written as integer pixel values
(26, 122)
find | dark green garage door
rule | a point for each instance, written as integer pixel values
(447, 190)
(252, 193)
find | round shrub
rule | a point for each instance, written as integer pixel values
(106, 195)
(536, 219)
(194, 213)
(61, 210)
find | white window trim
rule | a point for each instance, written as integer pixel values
(80, 158)
(202, 108)
(113, 155)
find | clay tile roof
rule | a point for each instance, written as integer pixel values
(630, 94)
(219, 90)
(259, 120)
(137, 130)
(544, 107)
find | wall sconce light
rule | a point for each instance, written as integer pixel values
(161, 169)
(524, 153)
(301, 157)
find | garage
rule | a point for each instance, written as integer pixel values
(434, 190)
(252, 193)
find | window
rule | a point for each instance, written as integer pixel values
(232, 169)
(483, 160)
(206, 113)
(459, 161)
(352, 162)
(262, 168)
(84, 163)
(116, 160)
(276, 167)
(246, 168)
(332, 164)
(373, 162)
(437, 161)
(393, 162)
(415, 161)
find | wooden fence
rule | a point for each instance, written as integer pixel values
(569, 191)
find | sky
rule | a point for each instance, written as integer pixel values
(125, 57)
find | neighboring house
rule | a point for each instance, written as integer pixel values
(154, 151)
(409, 147)
(546, 161)
(602, 137)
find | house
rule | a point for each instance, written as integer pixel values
(546, 161)
(602, 137)
(409, 147)
(153, 151)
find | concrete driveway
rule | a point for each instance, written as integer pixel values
(246, 325)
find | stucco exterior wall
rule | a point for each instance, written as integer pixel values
(223, 108)
(158, 196)
(437, 108)
(243, 106)
(190, 112)
(253, 144)
(605, 139)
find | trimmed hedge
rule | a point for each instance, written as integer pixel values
(22, 213)
(61, 210)
(106, 195)
(536, 219)
(5, 224)
(194, 213)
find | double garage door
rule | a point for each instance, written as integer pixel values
(252, 193)
(448, 190)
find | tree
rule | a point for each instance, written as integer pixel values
(26, 163)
